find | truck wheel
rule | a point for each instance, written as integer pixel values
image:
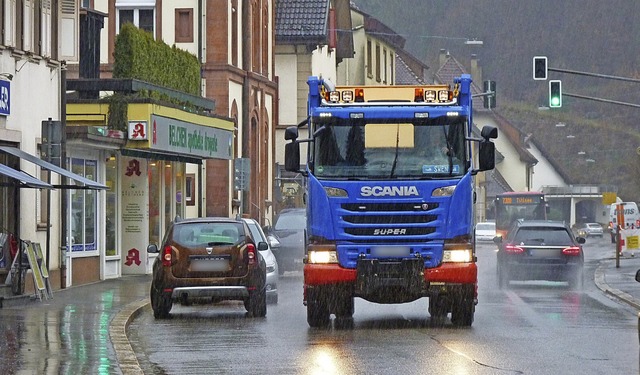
(462, 313)
(438, 310)
(160, 303)
(344, 307)
(317, 314)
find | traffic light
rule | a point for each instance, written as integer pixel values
(555, 94)
(489, 101)
(539, 68)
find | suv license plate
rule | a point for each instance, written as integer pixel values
(210, 265)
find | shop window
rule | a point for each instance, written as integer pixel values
(179, 179)
(190, 189)
(168, 192)
(111, 210)
(154, 200)
(83, 209)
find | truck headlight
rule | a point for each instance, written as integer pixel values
(445, 191)
(320, 257)
(457, 256)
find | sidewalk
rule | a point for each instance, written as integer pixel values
(83, 329)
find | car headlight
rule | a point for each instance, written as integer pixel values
(322, 257)
(457, 256)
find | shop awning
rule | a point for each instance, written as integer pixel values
(85, 183)
(24, 179)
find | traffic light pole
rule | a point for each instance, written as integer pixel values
(601, 100)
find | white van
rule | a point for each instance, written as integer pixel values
(631, 218)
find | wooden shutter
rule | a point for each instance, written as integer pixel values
(10, 23)
(69, 34)
(45, 28)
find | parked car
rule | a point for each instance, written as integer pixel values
(540, 250)
(590, 230)
(269, 258)
(209, 260)
(290, 229)
(485, 231)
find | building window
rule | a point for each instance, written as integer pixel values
(42, 197)
(141, 13)
(369, 60)
(378, 62)
(83, 210)
(184, 25)
(384, 65)
(392, 74)
(234, 33)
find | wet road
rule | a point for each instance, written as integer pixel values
(68, 334)
(530, 328)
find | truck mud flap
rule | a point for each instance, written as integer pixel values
(404, 278)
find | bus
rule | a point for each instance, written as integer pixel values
(511, 206)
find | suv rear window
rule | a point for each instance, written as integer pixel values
(198, 234)
(547, 235)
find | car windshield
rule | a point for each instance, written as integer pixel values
(208, 233)
(291, 221)
(550, 236)
(387, 149)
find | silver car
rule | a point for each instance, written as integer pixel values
(269, 258)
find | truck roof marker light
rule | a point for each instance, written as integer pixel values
(445, 191)
(356, 115)
(443, 95)
(347, 96)
(335, 192)
(418, 95)
(360, 95)
(430, 96)
(452, 114)
(324, 114)
(334, 96)
(421, 115)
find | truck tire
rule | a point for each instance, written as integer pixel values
(344, 307)
(462, 312)
(317, 314)
(438, 307)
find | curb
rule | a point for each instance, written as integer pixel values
(127, 360)
(601, 283)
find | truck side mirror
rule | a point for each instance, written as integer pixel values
(487, 156)
(292, 156)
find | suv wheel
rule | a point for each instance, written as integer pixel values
(256, 304)
(160, 303)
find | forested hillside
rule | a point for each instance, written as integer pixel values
(589, 36)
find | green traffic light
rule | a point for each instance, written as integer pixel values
(555, 102)
(555, 94)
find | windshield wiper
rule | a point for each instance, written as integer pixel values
(395, 159)
(449, 150)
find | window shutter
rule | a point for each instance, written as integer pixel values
(27, 25)
(69, 34)
(10, 23)
(45, 28)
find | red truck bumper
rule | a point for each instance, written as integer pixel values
(454, 273)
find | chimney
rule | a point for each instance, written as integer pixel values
(443, 57)
(476, 70)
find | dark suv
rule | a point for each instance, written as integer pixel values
(540, 250)
(208, 260)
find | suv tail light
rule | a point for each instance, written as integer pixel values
(573, 250)
(166, 256)
(251, 254)
(512, 249)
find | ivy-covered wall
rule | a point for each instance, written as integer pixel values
(137, 55)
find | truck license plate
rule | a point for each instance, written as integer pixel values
(390, 251)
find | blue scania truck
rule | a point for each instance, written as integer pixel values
(390, 197)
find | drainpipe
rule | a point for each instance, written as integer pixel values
(247, 39)
(63, 165)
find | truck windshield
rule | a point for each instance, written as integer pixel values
(389, 149)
